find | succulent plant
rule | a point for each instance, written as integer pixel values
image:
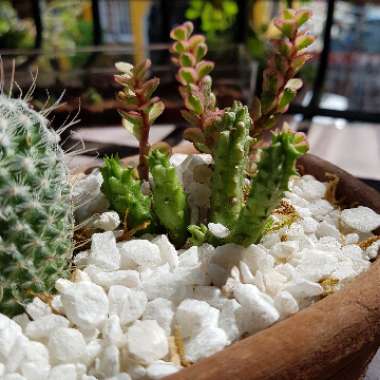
(169, 197)
(276, 166)
(241, 204)
(123, 189)
(287, 58)
(230, 154)
(36, 225)
(139, 110)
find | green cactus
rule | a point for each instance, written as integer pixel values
(231, 153)
(169, 198)
(123, 190)
(36, 224)
(275, 167)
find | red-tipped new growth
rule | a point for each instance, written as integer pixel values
(195, 85)
(139, 109)
(288, 57)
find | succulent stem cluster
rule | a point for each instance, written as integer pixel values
(242, 204)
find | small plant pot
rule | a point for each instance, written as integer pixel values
(334, 338)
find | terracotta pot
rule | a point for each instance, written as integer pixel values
(333, 339)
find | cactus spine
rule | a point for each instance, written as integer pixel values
(36, 226)
(169, 198)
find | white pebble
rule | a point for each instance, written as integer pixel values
(351, 238)
(286, 304)
(42, 327)
(33, 371)
(257, 258)
(128, 304)
(162, 311)
(104, 253)
(85, 304)
(37, 308)
(108, 364)
(92, 350)
(63, 372)
(309, 225)
(218, 230)
(284, 250)
(256, 307)
(327, 229)
(373, 250)
(192, 316)
(227, 319)
(301, 289)
(362, 219)
(139, 254)
(167, 251)
(66, 345)
(209, 341)
(56, 304)
(147, 342)
(246, 275)
(210, 294)
(13, 376)
(160, 369)
(112, 332)
(107, 221)
(128, 278)
(9, 332)
(22, 320)
(310, 188)
(17, 354)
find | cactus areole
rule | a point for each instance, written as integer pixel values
(36, 225)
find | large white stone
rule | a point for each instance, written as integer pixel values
(167, 251)
(362, 219)
(209, 341)
(33, 371)
(301, 289)
(327, 229)
(93, 349)
(112, 332)
(128, 278)
(192, 316)
(13, 376)
(128, 304)
(63, 372)
(108, 364)
(42, 327)
(9, 332)
(257, 258)
(66, 345)
(37, 308)
(228, 321)
(218, 230)
(284, 250)
(286, 304)
(210, 294)
(139, 254)
(160, 369)
(107, 221)
(104, 253)
(309, 188)
(17, 354)
(162, 311)
(85, 304)
(147, 342)
(260, 313)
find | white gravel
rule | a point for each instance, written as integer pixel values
(117, 318)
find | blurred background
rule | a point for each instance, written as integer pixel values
(75, 43)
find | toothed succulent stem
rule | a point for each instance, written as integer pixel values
(275, 167)
(169, 198)
(36, 224)
(123, 190)
(230, 155)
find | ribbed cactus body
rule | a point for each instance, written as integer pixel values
(169, 197)
(275, 167)
(230, 154)
(124, 192)
(36, 224)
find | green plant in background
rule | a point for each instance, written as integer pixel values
(14, 33)
(216, 16)
(242, 204)
(36, 226)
